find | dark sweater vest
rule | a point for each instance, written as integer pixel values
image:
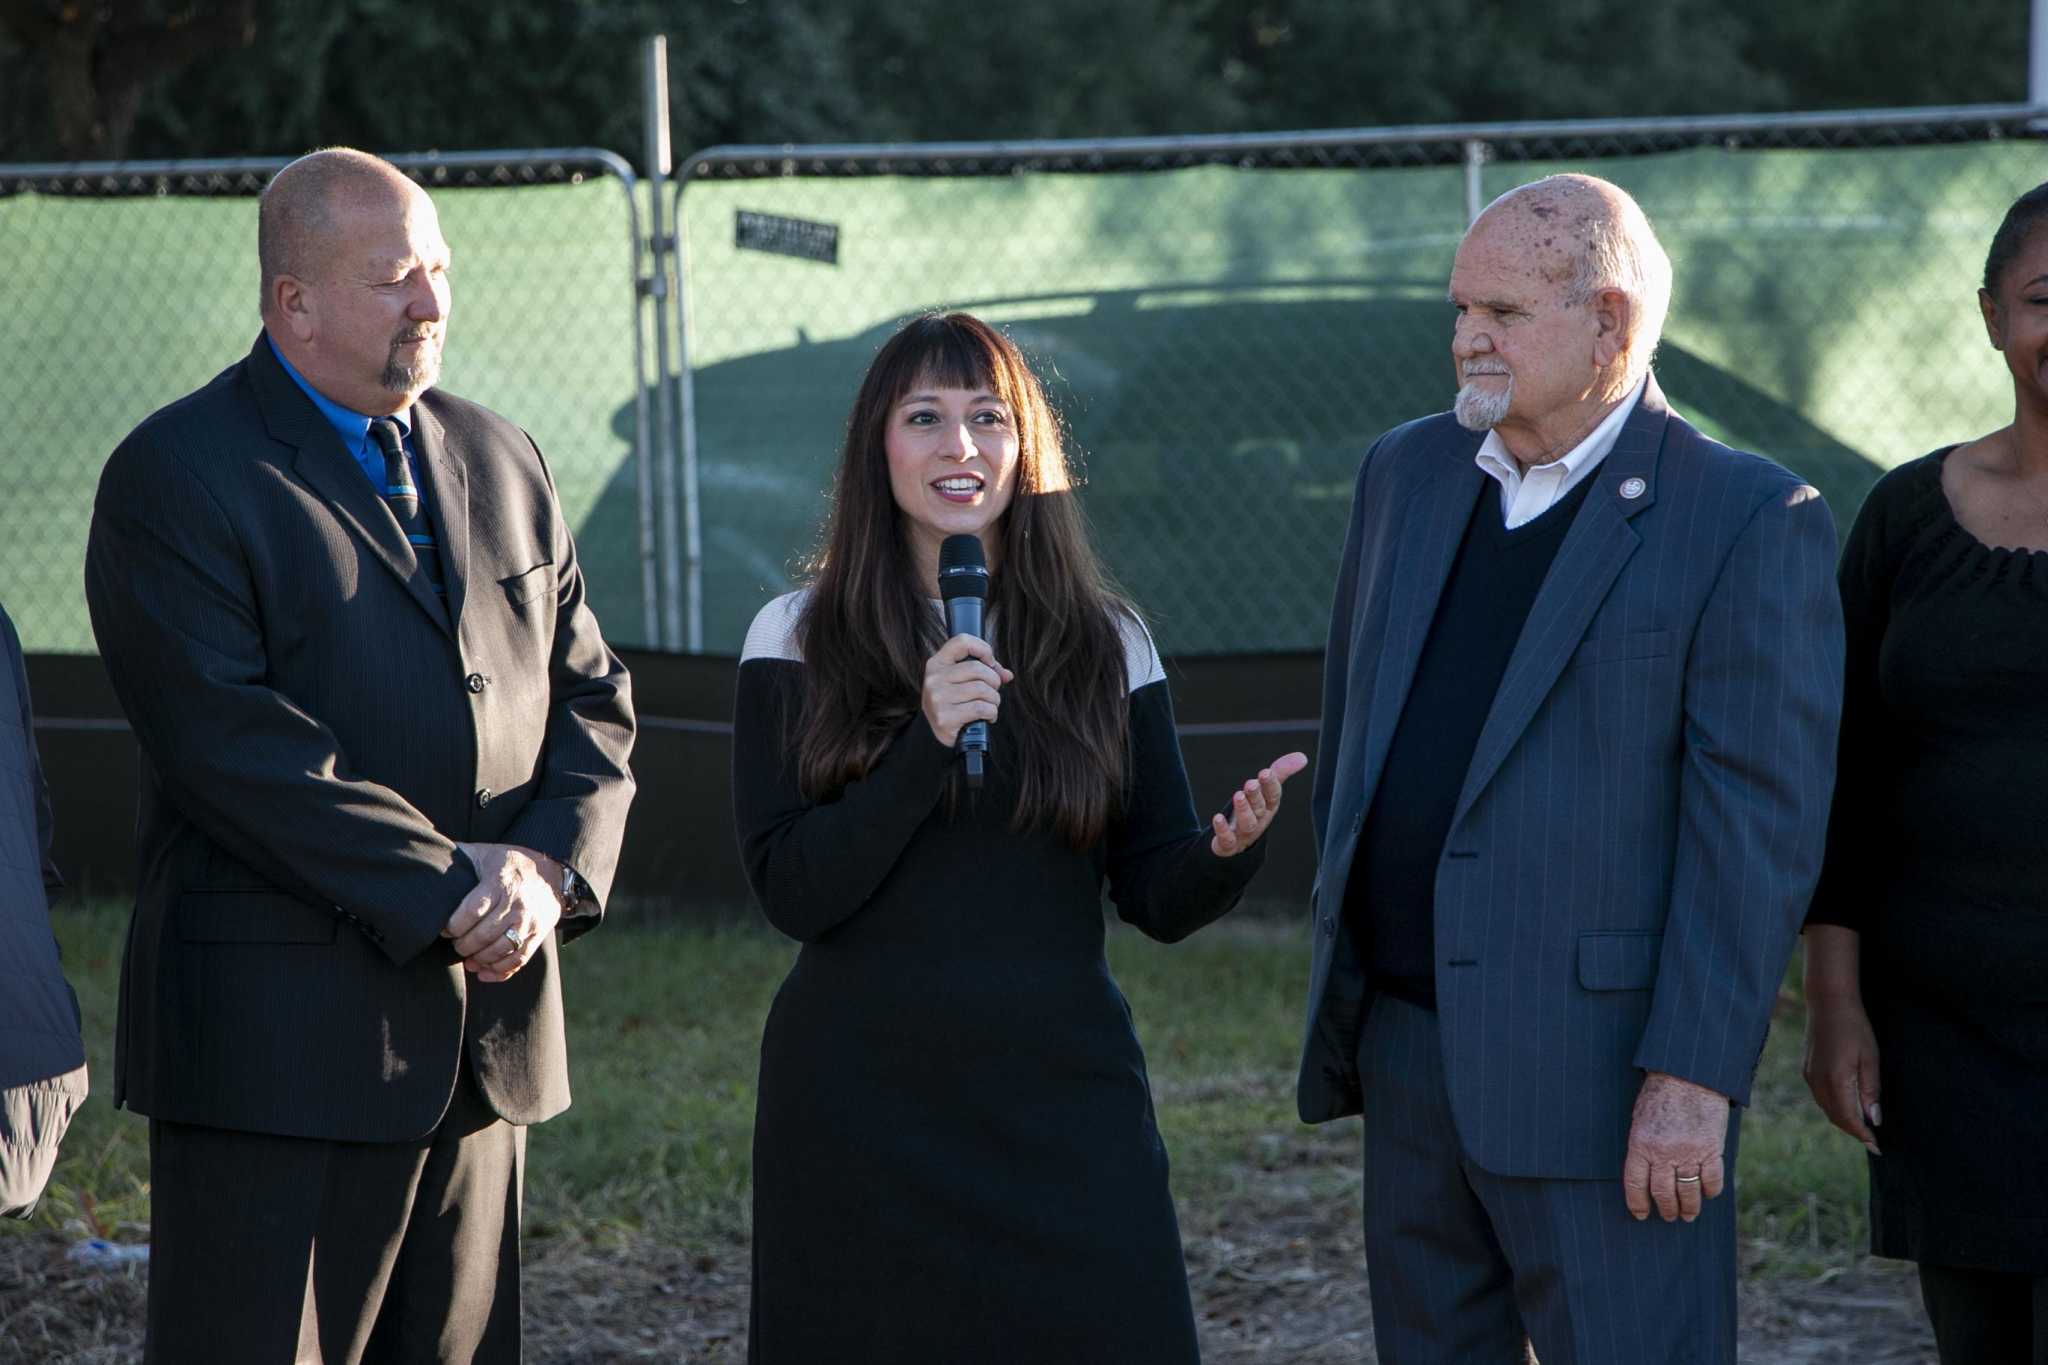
(1390, 897)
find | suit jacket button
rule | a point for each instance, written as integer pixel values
(483, 798)
(475, 682)
(1329, 926)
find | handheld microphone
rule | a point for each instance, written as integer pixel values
(963, 583)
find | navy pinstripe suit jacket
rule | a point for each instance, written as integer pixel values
(317, 733)
(1637, 837)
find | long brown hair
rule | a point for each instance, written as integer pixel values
(869, 625)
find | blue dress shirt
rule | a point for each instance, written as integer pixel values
(354, 428)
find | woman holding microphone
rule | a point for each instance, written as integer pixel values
(955, 1157)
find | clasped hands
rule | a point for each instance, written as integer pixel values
(509, 913)
(963, 683)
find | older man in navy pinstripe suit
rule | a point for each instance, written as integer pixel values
(1579, 718)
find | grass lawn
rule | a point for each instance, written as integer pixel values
(664, 1028)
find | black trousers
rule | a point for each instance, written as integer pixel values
(1986, 1317)
(266, 1249)
(1469, 1268)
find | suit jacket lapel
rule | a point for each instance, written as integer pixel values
(447, 480)
(1432, 526)
(333, 473)
(1600, 542)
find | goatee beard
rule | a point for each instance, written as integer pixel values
(1483, 409)
(399, 377)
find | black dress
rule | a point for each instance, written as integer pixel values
(1938, 855)
(955, 1158)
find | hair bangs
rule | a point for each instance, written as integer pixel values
(949, 355)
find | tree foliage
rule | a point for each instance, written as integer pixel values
(98, 60)
(180, 78)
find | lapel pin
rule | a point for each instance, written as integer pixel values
(1633, 488)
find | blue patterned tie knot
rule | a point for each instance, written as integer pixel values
(398, 486)
(403, 498)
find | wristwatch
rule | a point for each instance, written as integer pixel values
(575, 893)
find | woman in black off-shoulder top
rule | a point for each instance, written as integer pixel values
(1927, 946)
(955, 1158)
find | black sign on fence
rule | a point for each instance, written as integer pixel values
(787, 237)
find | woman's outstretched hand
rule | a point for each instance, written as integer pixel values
(1253, 808)
(962, 683)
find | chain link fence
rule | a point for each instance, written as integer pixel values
(132, 284)
(1227, 322)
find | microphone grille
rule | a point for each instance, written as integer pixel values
(962, 552)
(963, 572)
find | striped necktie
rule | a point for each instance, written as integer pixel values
(404, 500)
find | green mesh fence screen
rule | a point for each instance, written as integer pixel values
(1225, 340)
(1226, 325)
(126, 292)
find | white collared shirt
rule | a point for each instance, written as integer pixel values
(1527, 495)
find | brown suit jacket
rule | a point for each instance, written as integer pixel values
(317, 733)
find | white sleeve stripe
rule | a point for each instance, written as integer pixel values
(773, 633)
(773, 636)
(1141, 658)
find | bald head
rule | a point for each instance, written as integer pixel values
(355, 279)
(1587, 235)
(306, 207)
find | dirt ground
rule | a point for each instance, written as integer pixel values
(1287, 1284)
(1274, 1281)
(1276, 1270)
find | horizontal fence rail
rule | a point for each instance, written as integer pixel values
(1417, 144)
(241, 176)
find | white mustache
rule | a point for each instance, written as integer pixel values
(1474, 368)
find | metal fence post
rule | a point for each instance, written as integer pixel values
(643, 467)
(2037, 57)
(1475, 165)
(686, 393)
(656, 92)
